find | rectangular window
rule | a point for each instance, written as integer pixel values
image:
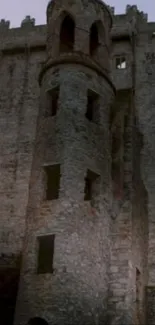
(53, 97)
(45, 254)
(90, 181)
(52, 182)
(92, 112)
(121, 62)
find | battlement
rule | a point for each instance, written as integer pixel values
(35, 35)
(28, 22)
(4, 24)
(130, 10)
(133, 10)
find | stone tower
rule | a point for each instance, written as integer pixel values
(64, 274)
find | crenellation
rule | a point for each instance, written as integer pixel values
(112, 10)
(4, 25)
(134, 11)
(15, 36)
(28, 22)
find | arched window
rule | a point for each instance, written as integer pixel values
(67, 34)
(37, 321)
(94, 39)
(97, 38)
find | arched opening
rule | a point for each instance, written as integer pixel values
(94, 39)
(37, 321)
(67, 34)
(97, 41)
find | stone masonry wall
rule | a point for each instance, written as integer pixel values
(139, 236)
(77, 291)
(22, 51)
(120, 296)
(19, 106)
(145, 111)
(19, 98)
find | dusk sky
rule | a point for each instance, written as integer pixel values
(16, 10)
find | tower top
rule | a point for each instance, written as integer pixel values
(100, 2)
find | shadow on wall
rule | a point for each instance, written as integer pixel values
(76, 312)
(9, 279)
(37, 321)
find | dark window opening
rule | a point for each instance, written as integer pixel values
(52, 182)
(67, 35)
(90, 181)
(53, 97)
(138, 285)
(92, 111)
(45, 254)
(37, 321)
(138, 296)
(9, 279)
(88, 189)
(121, 62)
(94, 39)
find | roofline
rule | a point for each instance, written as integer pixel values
(102, 3)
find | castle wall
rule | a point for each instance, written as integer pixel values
(19, 98)
(131, 231)
(145, 109)
(19, 108)
(139, 235)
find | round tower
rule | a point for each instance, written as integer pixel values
(64, 276)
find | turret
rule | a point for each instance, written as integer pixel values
(64, 278)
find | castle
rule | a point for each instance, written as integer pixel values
(77, 152)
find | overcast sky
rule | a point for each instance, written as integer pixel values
(16, 10)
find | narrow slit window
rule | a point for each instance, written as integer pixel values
(88, 189)
(92, 112)
(90, 182)
(138, 285)
(53, 98)
(45, 254)
(52, 182)
(121, 62)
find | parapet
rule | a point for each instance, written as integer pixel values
(28, 22)
(132, 21)
(112, 10)
(4, 24)
(132, 10)
(123, 24)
